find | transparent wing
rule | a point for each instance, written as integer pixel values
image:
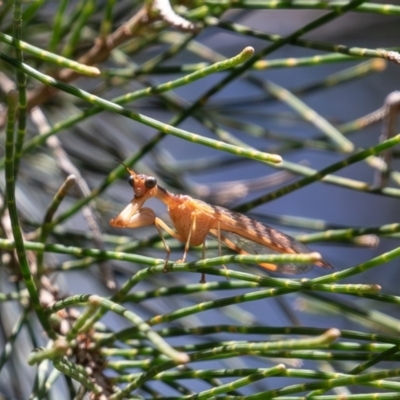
(248, 236)
(246, 246)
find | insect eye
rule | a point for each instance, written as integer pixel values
(150, 182)
(131, 181)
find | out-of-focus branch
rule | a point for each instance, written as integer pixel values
(392, 110)
(102, 47)
(98, 53)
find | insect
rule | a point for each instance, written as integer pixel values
(195, 219)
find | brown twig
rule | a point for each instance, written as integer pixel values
(102, 47)
(98, 53)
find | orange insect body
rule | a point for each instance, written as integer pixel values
(182, 215)
(194, 219)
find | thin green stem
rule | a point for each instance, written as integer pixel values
(78, 373)
(338, 11)
(269, 330)
(228, 387)
(320, 175)
(49, 56)
(130, 97)
(21, 79)
(232, 351)
(376, 8)
(86, 10)
(372, 263)
(9, 345)
(165, 128)
(344, 234)
(106, 23)
(332, 48)
(328, 384)
(309, 115)
(12, 209)
(56, 32)
(46, 225)
(160, 344)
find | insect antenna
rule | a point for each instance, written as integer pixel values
(122, 163)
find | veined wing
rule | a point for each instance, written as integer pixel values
(248, 236)
(247, 247)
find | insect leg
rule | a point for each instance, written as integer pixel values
(159, 223)
(187, 243)
(192, 229)
(203, 255)
(219, 243)
(166, 247)
(219, 239)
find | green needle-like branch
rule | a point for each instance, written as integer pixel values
(46, 225)
(318, 176)
(168, 129)
(78, 373)
(49, 57)
(146, 337)
(334, 48)
(12, 209)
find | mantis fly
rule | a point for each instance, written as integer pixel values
(194, 219)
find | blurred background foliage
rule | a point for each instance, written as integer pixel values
(175, 91)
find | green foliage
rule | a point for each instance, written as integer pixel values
(86, 310)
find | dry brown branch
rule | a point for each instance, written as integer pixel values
(98, 53)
